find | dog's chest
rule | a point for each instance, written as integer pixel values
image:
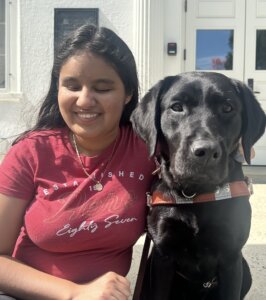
(199, 232)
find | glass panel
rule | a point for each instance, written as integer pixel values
(2, 72)
(2, 44)
(2, 39)
(261, 50)
(2, 11)
(214, 49)
(68, 19)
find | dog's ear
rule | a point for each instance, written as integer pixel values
(253, 118)
(146, 117)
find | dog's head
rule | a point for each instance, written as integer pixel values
(196, 119)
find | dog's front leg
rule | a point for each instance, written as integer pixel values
(230, 279)
(160, 278)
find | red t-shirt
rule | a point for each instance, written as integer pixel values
(70, 230)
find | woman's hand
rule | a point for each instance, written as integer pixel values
(109, 286)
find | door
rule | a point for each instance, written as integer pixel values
(255, 62)
(229, 36)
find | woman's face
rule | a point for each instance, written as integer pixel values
(91, 97)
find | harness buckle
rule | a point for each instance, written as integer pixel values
(149, 199)
(249, 183)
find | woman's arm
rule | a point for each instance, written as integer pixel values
(26, 282)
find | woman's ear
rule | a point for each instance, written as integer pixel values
(128, 98)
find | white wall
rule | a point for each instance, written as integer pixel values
(158, 22)
(174, 31)
(36, 22)
(37, 34)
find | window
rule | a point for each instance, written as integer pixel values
(68, 19)
(214, 49)
(9, 62)
(2, 44)
(261, 50)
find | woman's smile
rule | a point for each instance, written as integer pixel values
(87, 116)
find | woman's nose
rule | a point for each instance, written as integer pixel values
(86, 98)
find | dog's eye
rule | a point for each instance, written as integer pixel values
(227, 108)
(177, 107)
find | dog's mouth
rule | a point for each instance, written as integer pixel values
(198, 180)
(188, 188)
(194, 175)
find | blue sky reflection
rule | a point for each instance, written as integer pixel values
(214, 50)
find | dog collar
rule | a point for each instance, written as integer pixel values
(227, 191)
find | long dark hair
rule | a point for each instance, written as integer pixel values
(104, 43)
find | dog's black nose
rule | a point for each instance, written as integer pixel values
(206, 150)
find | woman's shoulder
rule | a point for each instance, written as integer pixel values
(39, 145)
(43, 136)
(128, 135)
(46, 133)
(130, 132)
(40, 141)
(132, 140)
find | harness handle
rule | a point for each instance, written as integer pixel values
(142, 267)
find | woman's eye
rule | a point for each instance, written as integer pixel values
(227, 108)
(103, 90)
(178, 107)
(73, 87)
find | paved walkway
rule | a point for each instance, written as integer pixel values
(254, 250)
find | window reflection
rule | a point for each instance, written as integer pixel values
(2, 11)
(214, 49)
(2, 44)
(2, 72)
(69, 19)
(261, 50)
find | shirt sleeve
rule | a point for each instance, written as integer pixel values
(17, 172)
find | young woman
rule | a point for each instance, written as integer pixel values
(72, 189)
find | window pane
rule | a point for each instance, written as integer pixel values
(2, 39)
(68, 19)
(261, 50)
(2, 72)
(2, 44)
(214, 49)
(2, 11)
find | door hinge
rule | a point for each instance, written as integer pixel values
(185, 5)
(185, 54)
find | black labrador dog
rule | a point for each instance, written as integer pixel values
(200, 212)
